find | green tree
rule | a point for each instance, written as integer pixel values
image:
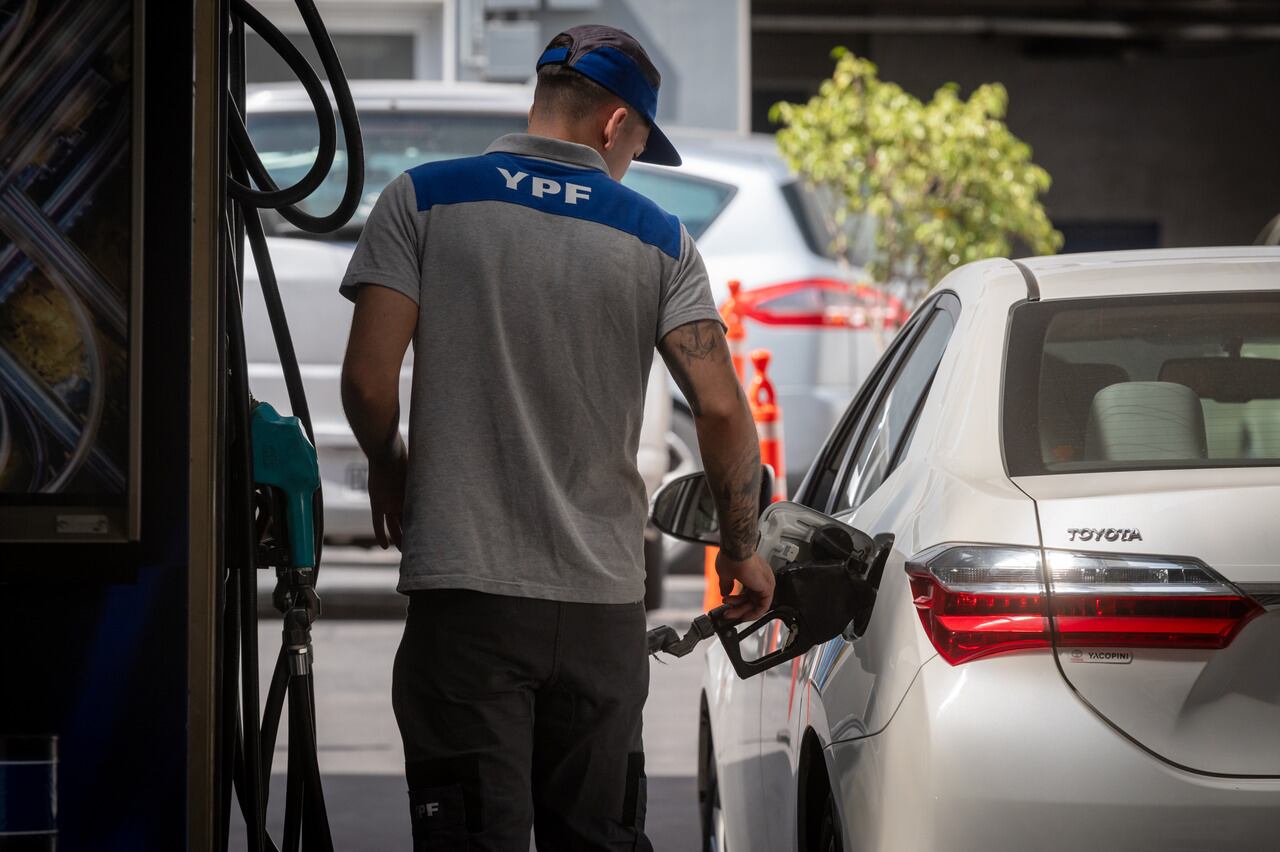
(939, 184)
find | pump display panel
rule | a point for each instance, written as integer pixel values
(70, 259)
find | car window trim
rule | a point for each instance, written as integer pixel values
(945, 301)
(840, 434)
(847, 428)
(910, 430)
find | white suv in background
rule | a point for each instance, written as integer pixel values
(1076, 639)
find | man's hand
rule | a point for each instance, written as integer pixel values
(756, 578)
(386, 495)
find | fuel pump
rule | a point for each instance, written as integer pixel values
(274, 517)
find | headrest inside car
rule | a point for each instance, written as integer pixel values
(1144, 421)
(1066, 392)
(1225, 379)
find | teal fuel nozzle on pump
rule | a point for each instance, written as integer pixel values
(285, 459)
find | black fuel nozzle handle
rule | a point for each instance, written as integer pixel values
(813, 602)
(733, 635)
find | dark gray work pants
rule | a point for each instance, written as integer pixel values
(519, 713)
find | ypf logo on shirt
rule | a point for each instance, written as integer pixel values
(540, 187)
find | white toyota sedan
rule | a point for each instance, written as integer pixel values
(1076, 639)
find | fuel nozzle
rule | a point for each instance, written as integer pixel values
(667, 640)
(284, 461)
(814, 600)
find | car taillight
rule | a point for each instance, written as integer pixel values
(822, 302)
(1143, 602)
(979, 600)
(975, 601)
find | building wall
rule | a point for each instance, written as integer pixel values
(700, 48)
(356, 27)
(1180, 135)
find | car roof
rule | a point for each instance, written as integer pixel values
(706, 152)
(399, 94)
(726, 147)
(1116, 273)
(1149, 257)
(1152, 271)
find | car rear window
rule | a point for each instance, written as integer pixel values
(1143, 383)
(695, 201)
(826, 231)
(288, 143)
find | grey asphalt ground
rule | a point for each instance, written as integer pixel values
(360, 752)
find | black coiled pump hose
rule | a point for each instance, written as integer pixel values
(248, 742)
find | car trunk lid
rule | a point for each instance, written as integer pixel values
(1165, 589)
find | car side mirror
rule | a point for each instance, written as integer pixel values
(685, 507)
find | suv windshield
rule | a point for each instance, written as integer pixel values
(288, 142)
(1143, 383)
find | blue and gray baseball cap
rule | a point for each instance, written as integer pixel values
(613, 59)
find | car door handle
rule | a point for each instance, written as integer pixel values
(783, 737)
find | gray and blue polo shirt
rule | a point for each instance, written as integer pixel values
(542, 286)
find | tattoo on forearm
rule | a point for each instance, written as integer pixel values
(693, 349)
(738, 502)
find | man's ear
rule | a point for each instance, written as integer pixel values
(613, 126)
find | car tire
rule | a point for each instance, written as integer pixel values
(710, 813)
(829, 839)
(655, 569)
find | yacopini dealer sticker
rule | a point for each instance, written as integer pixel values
(1114, 658)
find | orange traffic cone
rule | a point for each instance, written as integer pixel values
(711, 589)
(736, 333)
(768, 416)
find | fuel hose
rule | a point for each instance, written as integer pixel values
(247, 731)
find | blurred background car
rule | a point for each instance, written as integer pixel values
(752, 220)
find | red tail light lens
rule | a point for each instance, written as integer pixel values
(976, 601)
(1143, 602)
(822, 302)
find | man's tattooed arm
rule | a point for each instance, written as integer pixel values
(698, 357)
(738, 505)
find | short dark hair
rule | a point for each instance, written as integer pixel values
(563, 91)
